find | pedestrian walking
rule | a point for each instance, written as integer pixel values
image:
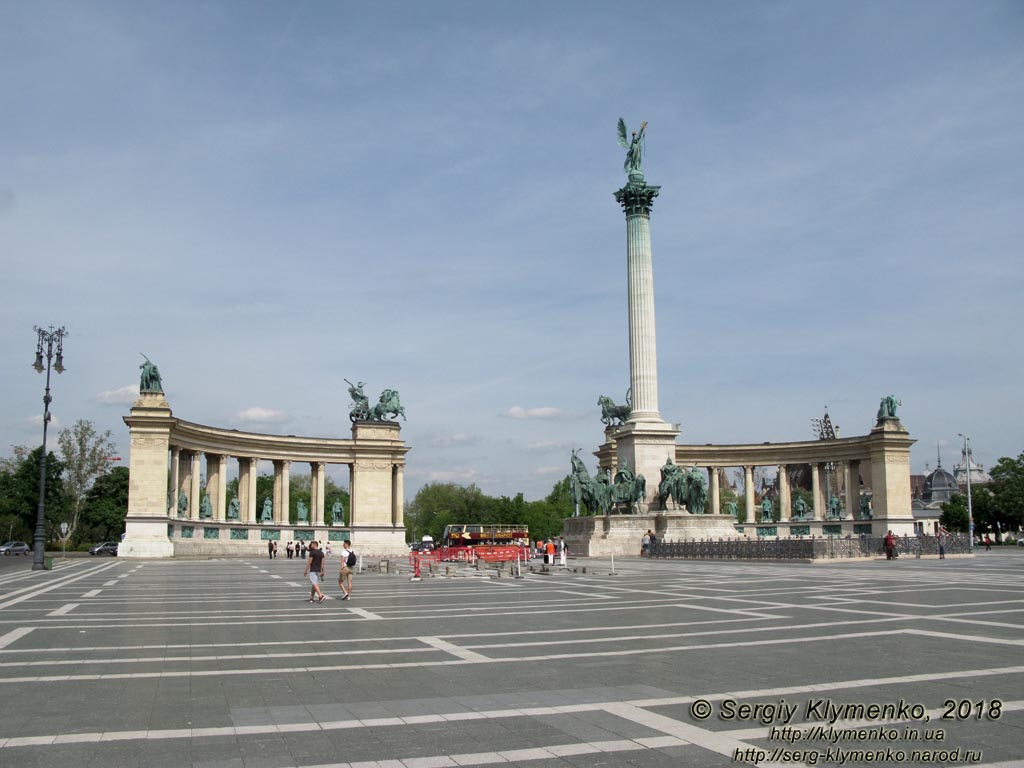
(549, 550)
(348, 564)
(303, 550)
(890, 546)
(273, 554)
(562, 551)
(290, 549)
(988, 543)
(645, 544)
(270, 550)
(315, 572)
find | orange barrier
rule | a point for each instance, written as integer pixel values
(497, 553)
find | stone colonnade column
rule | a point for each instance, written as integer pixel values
(852, 479)
(816, 490)
(216, 484)
(397, 495)
(281, 491)
(636, 199)
(196, 488)
(351, 494)
(172, 510)
(716, 505)
(785, 507)
(748, 494)
(184, 481)
(317, 486)
(247, 488)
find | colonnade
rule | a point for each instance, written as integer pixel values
(850, 500)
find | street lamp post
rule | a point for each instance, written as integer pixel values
(46, 341)
(970, 509)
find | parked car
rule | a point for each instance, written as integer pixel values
(15, 548)
(106, 548)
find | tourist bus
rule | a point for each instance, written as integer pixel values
(485, 541)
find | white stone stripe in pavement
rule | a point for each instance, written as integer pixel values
(90, 593)
(454, 650)
(468, 657)
(36, 590)
(14, 635)
(363, 612)
(64, 609)
(111, 583)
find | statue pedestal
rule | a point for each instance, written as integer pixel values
(149, 426)
(602, 536)
(645, 446)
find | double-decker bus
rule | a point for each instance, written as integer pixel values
(485, 541)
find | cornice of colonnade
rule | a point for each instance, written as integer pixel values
(859, 448)
(380, 443)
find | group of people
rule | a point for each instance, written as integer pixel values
(647, 543)
(294, 549)
(316, 569)
(550, 549)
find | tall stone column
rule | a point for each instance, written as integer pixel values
(317, 489)
(748, 494)
(216, 484)
(397, 496)
(195, 492)
(645, 442)
(352, 495)
(816, 490)
(890, 477)
(247, 488)
(184, 481)
(282, 481)
(172, 510)
(852, 481)
(149, 427)
(716, 501)
(785, 506)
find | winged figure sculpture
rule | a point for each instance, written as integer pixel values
(634, 147)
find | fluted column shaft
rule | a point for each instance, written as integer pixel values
(194, 491)
(816, 490)
(748, 494)
(643, 348)
(785, 507)
(716, 505)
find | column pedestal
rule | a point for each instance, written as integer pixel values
(146, 523)
(645, 447)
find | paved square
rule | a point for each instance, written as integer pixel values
(224, 663)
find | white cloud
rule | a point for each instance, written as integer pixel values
(121, 396)
(545, 412)
(464, 475)
(256, 414)
(33, 423)
(551, 471)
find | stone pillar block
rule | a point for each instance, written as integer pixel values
(149, 426)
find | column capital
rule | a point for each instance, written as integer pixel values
(637, 197)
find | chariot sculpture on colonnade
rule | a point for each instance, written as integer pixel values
(388, 404)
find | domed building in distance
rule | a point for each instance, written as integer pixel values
(929, 494)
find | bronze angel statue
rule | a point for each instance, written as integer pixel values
(634, 147)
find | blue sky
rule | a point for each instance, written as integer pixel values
(268, 198)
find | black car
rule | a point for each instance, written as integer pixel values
(106, 548)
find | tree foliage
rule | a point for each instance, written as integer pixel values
(439, 504)
(106, 505)
(19, 490)
(86, 455)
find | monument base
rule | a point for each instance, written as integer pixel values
(604, 535)
(145, 539)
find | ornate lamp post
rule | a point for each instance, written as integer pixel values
(46, 341)
(970, 510)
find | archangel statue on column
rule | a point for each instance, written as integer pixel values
(634, 148)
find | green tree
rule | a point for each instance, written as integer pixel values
(1008, 492)
(86, 456)
(19, 489)
(463, 504)
(105, 507)
(560, 499)
(954, 514)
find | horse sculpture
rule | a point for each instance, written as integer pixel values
(629, 489)
(689, 489)
(361, 410)
(594, 494)
(388, 404)
(612, 413)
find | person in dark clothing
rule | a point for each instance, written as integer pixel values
(315, 572)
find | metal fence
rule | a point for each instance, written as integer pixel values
(826, 548)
